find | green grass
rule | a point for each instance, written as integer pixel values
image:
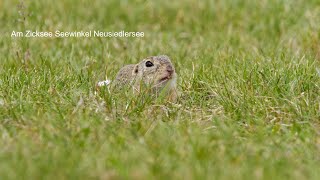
(249, 106)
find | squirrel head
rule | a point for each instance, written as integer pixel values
(155, 71)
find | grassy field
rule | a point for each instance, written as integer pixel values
(249, 106)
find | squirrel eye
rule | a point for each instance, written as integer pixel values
(149, 64)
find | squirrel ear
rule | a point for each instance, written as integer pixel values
(136, 69)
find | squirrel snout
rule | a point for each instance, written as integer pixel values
(170, 69)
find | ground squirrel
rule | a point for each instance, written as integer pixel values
(155, 72)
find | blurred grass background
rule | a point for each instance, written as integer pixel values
(249, 105)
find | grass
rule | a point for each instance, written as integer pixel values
(249, 105)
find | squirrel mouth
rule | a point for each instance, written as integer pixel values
(164, 79)
(161, 82)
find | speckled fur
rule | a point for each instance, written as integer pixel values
(139, 74)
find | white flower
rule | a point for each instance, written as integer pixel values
(104, 83)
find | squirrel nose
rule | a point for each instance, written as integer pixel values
(170, 69)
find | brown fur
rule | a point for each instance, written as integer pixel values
(160, 77)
